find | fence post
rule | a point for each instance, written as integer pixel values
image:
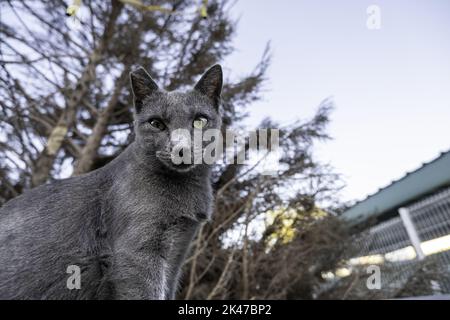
(412, 232)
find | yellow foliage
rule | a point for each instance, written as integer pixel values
(285, 230)
(73, 8)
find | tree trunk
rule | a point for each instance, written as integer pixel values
(89, 151)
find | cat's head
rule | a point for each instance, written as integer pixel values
(166, 122)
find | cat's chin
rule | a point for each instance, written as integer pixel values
(166, 160)
(176, 167)
(182, 168)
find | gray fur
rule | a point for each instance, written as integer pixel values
(127, 225)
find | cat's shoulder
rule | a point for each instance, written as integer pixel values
(64, 193)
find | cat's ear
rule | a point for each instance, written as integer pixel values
(210, 84)
(142, 86)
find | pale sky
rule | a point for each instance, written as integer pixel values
(391, 86)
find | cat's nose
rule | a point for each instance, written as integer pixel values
(180, 142)
(178, 154)
(178, 151)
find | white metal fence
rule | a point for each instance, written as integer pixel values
(411, 250)
(431, 219)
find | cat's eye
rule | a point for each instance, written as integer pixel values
(200, 122)
(158, 124)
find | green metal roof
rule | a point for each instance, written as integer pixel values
(428, 178)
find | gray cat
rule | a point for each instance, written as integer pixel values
(126, 226)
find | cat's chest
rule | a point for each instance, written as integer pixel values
(172, 201)
(158, 210)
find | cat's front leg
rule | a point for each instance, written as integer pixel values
(180, 236)
(140, 276)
